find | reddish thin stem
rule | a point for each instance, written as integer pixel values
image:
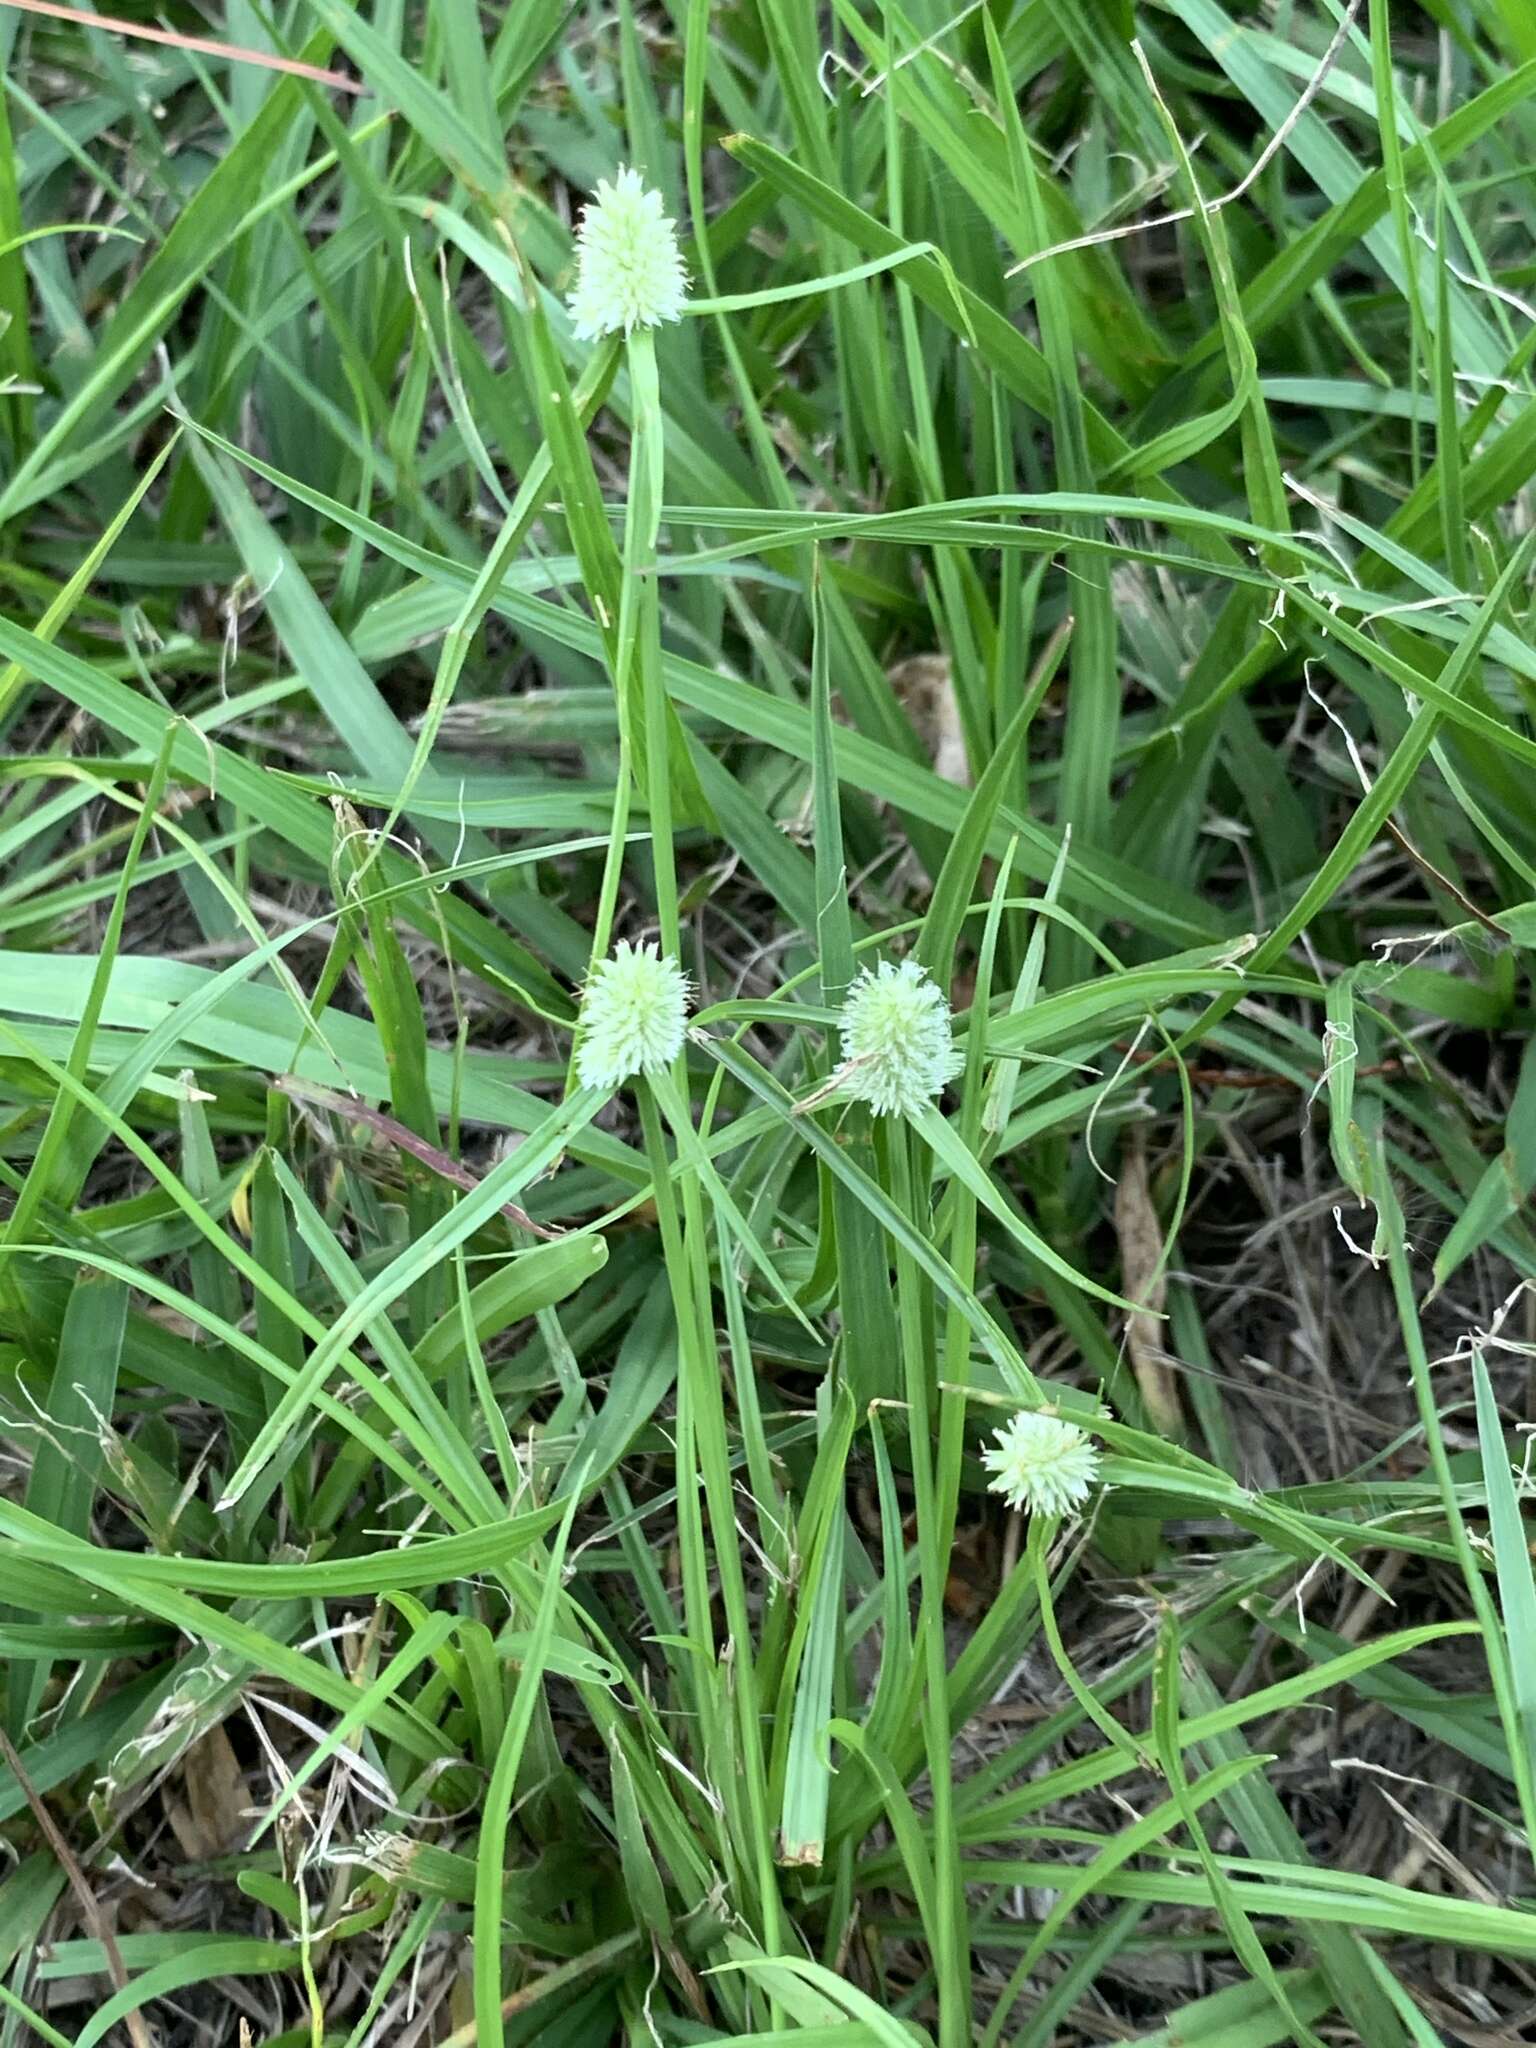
(204, 45)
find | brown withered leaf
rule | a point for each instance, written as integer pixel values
(1143, 1280)
(214, 1813)
(406, 1140)
(925, 684)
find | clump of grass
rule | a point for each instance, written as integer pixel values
(694, 1345)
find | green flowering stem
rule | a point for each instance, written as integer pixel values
(1042, 1530)
(695, 1561)
(638, 598)
(960, 1249)
(703, 1453)
(639, 640)
(895, 1144)
(618, 836)
(960, 1209)
(635, 657)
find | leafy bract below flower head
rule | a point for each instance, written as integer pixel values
(629, 272)
(632, 1016)
(1042, 1463)
(897, 1050)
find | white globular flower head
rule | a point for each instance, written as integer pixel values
(633, 1012)
(629, 270)
(897, 1049)
(1042, 1463)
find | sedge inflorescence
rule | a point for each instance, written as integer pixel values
(1042, 1463)
(897, 1049)
(629, 269)
(633, 1016)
